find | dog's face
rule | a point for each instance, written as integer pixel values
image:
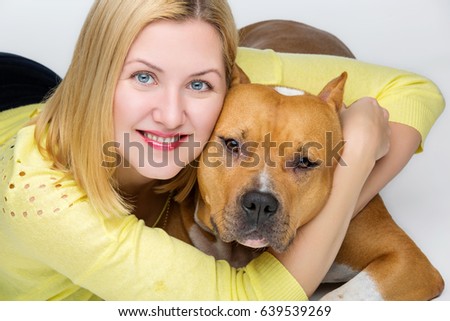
(269, 166)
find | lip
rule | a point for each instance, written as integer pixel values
(163, 141)
(254, 240)
(255, 243)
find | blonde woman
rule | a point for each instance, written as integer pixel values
(155, 73)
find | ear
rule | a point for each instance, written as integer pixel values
(333, 93)
(238, 76)
(202, 215)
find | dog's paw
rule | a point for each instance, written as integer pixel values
(361, 288)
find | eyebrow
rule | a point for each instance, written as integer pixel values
(152, 66)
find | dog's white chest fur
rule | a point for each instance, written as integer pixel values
(289, 91)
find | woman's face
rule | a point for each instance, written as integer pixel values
(168, 97)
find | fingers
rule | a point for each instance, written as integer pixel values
(366, 126)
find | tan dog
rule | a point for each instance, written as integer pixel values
(268, 170)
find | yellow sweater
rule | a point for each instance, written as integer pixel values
(54, 246)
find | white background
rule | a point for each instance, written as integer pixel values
(407, 34)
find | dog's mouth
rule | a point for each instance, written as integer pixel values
(254, 240)
(236, 225)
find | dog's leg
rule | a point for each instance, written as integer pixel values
(392, 266)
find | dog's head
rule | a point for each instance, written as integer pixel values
(268, 167)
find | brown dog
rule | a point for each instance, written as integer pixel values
(266, 173)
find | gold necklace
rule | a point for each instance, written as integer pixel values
(165, 211)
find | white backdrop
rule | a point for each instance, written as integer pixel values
(407, 34)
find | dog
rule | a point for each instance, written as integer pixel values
(265, 174)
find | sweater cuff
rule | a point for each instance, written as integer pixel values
(416, 115)
(281, 286)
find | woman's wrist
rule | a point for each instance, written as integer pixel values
(404, 143)
(356, 164)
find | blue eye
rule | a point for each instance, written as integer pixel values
(144, 78)
(200, 85)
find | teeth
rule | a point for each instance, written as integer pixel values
(162, 140)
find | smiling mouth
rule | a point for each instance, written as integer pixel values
(162, 140)
(168, 142)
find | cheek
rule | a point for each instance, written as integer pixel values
(205, 119)
(128, 106)
(203, 124)
(120, 103)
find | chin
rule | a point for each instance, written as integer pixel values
(164, 173)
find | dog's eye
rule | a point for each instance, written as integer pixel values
(306, 163)
(302, 163)
(232, 145)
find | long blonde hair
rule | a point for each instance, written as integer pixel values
(77, 120)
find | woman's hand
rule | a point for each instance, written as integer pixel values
(366, 129)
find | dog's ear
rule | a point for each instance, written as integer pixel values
(238, 76)
(202, 217)
(333, 93)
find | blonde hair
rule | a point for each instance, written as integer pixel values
(78, 118)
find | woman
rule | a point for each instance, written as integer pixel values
(154, 74)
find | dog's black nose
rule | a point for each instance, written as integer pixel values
(259, 206)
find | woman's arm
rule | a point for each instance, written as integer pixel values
(405, 141)
(411, 99)
(366, 131)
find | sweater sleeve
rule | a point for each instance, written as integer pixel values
(411, 99)
(49, 229)
(12, 120)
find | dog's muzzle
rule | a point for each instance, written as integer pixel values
(258, 207)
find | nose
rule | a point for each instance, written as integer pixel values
(259, 206)
(170, 110)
